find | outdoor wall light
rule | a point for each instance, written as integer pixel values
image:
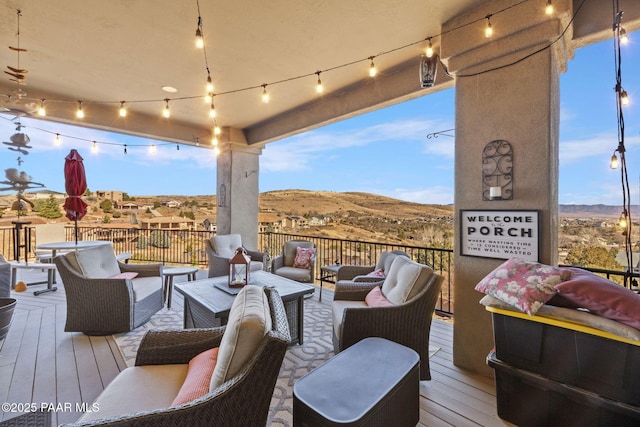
(497, 171)
(428, 70)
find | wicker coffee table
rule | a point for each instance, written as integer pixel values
(207, 302)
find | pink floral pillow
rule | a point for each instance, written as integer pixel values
(526, 285)
(304, 257)
(376, 273)
(375, 298)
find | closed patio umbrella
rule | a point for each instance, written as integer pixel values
(75, 184)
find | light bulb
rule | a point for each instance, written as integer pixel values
(265, 94)
(622, 222)
(94, 148)
(125, 148)
(217, 130)
(199, 39)
(208, 98)
(624, 98)
(372, 69)
(123, 110)
(614, 162)
(57, 140)
(488, 31)
(166, 112)
(216, 150)
(429, 51)
(152, 149)
(624, 37)
(548, 8)
(209, 84)
(79, 111)
(319, 87)
(214, 141)
(212, 111)
(41, 110)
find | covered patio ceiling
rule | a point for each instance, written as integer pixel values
(102, 53)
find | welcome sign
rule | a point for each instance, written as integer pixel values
(499, 234)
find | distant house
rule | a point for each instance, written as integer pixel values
(172, 204)
(114, 196)
(317, 221)
(168, 223)
(621, 258)
(128, 206)
(269, 222)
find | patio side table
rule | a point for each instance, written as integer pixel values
(375, 382)
(328, 273)
(169, 273)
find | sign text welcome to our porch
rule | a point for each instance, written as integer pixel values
(500, 234)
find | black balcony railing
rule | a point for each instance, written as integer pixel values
(187, 247)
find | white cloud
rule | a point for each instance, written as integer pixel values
(601, 144)
(439, 195)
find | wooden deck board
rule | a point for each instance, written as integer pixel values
(41, 363)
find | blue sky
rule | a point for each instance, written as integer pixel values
(384, 152)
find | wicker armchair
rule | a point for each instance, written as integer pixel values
(104, 306)
(283, 264)
(220, 249)
(242, 400)
(358, 273)
(406, 322)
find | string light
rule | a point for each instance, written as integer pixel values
(624, 98)
(94, 147)
(488, 31)
(216, 151)
(614, 161)
(548, 8)
(214, 140)
(152, 149)
(265, 94)
(429, 51)
(57, 141)
(624, 37)
(199, 38)
(80, 111)
(125, 148)
(372, 68)
(212, 111)
(622, 222)
(166, 112)
(209, 85)
(41, 110)
(123, 110)
(216, 129)
(319, 87)
(208, 98)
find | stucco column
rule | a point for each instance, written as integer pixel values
(520, 104)
(237, 187)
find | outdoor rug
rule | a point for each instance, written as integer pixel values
(299, 359)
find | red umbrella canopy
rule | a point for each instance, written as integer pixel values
(75, 183)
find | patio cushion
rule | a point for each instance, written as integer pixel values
(404, 280)
(297, 274)
(290, 250)
(375, 298)
(198, 377)
(249, 321)
(98, 262)
(145, 286)
(303, 257)
(338, 307)
(225, 245)
(139, 388)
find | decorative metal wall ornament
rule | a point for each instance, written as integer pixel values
(497, 171)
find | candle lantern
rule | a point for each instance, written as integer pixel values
(239, 269)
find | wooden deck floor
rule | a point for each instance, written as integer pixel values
(42, 365)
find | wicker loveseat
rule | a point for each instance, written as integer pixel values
(242, 398)
(99, 302)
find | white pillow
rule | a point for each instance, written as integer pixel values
(98, 262)
(249, 321)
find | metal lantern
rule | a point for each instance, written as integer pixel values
(239, 269)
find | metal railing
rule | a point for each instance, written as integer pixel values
(187, 247)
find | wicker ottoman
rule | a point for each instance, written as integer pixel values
(375, 382)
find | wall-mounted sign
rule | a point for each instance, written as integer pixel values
(500, 234)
